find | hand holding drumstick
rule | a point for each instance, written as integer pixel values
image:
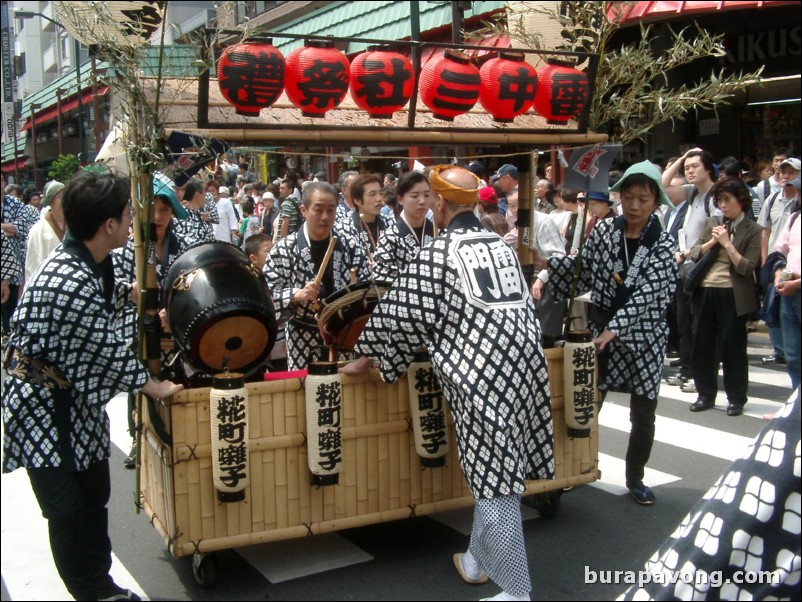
(311, 291)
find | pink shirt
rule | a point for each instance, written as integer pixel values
(789, 243)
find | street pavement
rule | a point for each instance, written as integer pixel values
(597, 528)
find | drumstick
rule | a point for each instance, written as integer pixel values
(326, 258)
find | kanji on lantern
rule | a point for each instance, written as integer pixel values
(381, 81)
(317, 78)
(450, 85)
(251, 76)
(508, 86)
(562, 91)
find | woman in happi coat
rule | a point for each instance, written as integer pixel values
(404, 239)
(293, 264)
(466, 296)
(629, 268)
(169, 245)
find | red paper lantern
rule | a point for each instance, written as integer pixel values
(317, 77)
(562, 91)
(381, 81)
(251, 76)
(508, 86)
(449, 85)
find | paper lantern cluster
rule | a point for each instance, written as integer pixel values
(317, 76)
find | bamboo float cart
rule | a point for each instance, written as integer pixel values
(381, 478)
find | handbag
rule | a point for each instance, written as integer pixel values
(696, 273)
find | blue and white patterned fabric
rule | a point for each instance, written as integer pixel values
(397, 247)
(288, 268)
(741, 541)
(64, 320)
(636, 353)
(466, 296)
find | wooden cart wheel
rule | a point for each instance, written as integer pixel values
(204, 569)
(547, 504)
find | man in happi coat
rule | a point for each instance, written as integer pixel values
(65, 360)
(293, 265)
(466, 295)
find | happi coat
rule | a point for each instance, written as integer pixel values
(397, 247)
(288, 268)
(636, 353)
(465, 295)
(65, 320)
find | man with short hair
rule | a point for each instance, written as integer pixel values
(774, 215)
(62, 368)
(465, 297)
(346, 205)
(771, 185)
(697, 165)
(228, 228)
(542, 188)
(507, 180)
(290, 214)
(293, 266)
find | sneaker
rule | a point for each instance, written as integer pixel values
(688, 387)
(642, 494)
(774, 359)
(676, 380)
(130, 461)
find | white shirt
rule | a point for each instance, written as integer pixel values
(42, 239)
(228, 220)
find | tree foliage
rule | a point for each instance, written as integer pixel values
(63, 168)
(633, 89)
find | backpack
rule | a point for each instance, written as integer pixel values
(707, 202)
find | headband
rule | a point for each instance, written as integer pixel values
(451, 193)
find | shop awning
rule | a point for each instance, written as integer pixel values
(51, 112)
(627, 13)
(12, 166)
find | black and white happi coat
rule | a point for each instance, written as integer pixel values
(465, 294)
(398, 246)
(23, 217)
(636, 353)
(744, 532)
(193, 229)
(125, 276)
(10, 267)
(288, 268)
(65, 319)
(358, 231)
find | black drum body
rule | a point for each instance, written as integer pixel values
(219, 309)
(345, 313)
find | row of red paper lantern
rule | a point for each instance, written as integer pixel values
(316, 77)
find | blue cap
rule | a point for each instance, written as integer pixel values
(595, 195)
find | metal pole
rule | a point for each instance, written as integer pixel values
(59, 92)
(81, 141)
(34, 142)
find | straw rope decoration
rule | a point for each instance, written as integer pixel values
(427, 411)
(324, 422)
(579, 380)
(228, 413)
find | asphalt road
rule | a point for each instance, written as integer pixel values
(597, 528)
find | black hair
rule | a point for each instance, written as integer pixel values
(89, 199)
(707, 161)
(251, 246)
(313, 187)
(191, 188)
(639, 179)
(357, 187)
(737, 188)
(730, 167)
(408, 181)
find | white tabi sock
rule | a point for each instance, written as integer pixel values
(469, 566)
(506, 596)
